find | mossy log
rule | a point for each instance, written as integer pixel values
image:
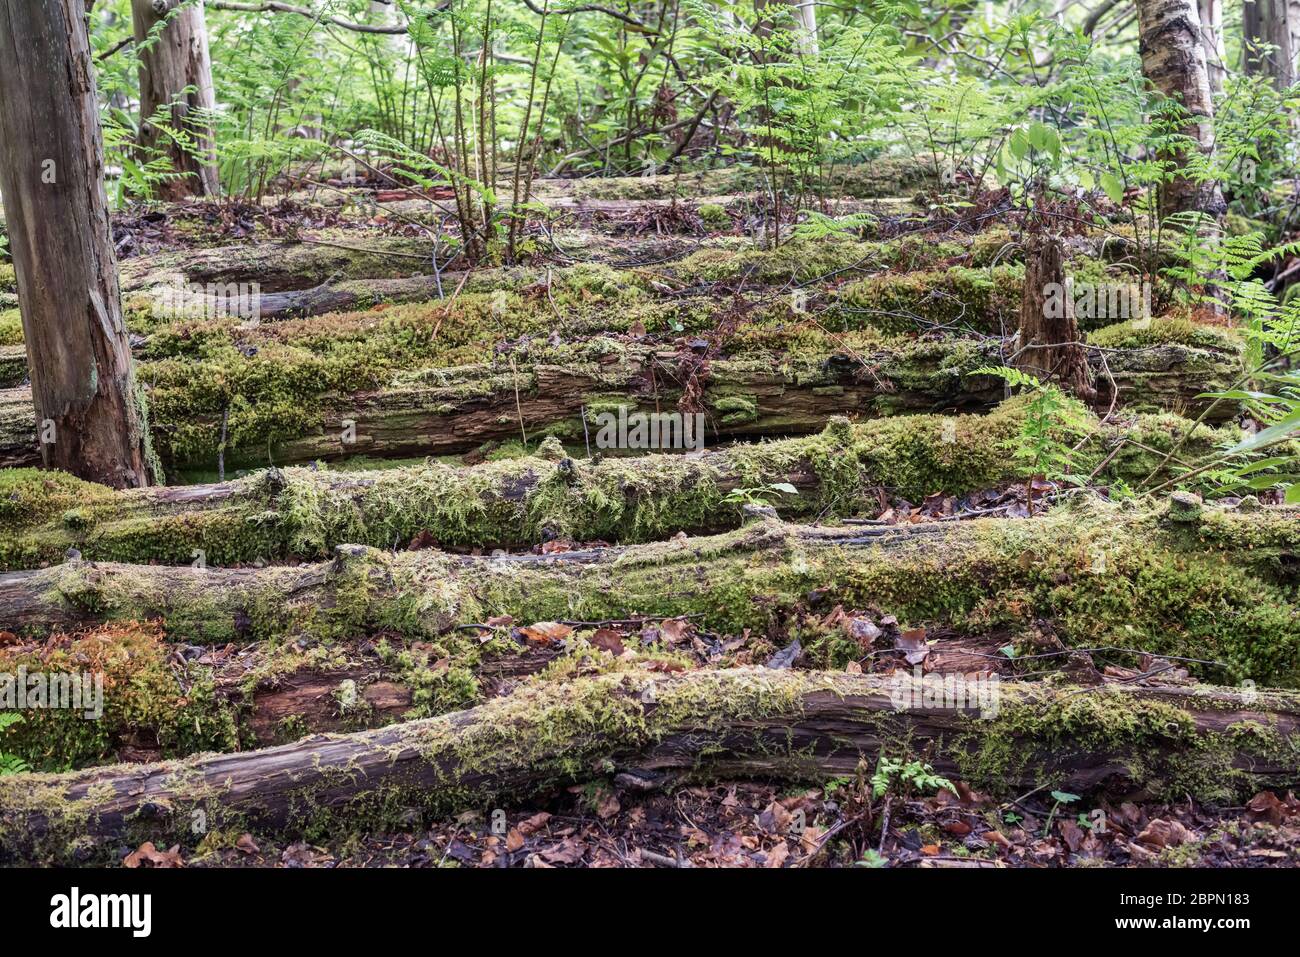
(447, 411)
(518, 503)
(1217, 585)
(803, 726)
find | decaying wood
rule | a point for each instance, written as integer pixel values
(786, 724)
(1050, 346)
(455, 410)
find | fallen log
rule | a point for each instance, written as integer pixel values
(518, 503)
(1215, 744)
(1206, 583)
(442, 411)
(285, 414)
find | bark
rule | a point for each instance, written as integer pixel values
(1268, 31)
(655, 730)
(1050, 346)
(176, 76)
(1062, 567)
(51, 174)
(1173, 61)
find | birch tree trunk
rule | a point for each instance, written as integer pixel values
(88, 417)
(1173, 61)
(176, 75)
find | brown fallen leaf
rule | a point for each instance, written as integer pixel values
(146, 853)
(1265, 806)
(545, 632)
(514, 840)
(607, 806)
(913, 645)
(1071, 834)
(1162, 833)
(246, 844)
(534, 823)
(608, 640)
(776, 856)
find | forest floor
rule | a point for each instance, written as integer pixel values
(441, 417)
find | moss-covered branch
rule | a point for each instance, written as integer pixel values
(1219, 587)
(793, 725)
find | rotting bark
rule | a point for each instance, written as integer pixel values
(305, 512)
(1049, 345)
(1214, 584)
(1214, 743)
(51, 174)
(171, 43)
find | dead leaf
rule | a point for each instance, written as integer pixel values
(775, 818)
(246, 844)
(673, 630)
(776, 856)
(1162, 833)
(514, 840)
(608, 806)
(913, 645)
(1071, 834)
(608, 640)
(146, 853)
(786, 657)
(1265, 806)
(545, 632)
(534, 823)
(864, 631)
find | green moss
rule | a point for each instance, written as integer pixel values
(1139, 333)
(11, 327)
(141, 696)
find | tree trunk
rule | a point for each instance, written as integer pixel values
(1269, 36)
(1050, 346)
(1211, 13)
(89, 420)
(176, 76)
(1173, 61)
(743, 722)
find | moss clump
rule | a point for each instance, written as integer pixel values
(1153, 741)
(714, 217)
(1140, 333)
(144, 701)
(11, 327)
